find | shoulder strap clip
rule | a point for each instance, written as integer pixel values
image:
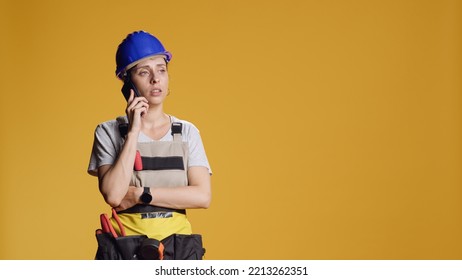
(177, 128)
(123, 126)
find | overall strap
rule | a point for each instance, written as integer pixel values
(123, 126)
(177, 129)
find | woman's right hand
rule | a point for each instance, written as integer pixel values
(136, 108)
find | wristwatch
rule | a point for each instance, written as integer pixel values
(146, 196)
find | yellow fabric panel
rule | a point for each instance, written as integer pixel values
(157, 228)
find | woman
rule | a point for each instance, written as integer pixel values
(150, 165)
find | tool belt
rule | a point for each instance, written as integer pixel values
(141, 247)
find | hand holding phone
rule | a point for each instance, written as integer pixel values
(133, 107)
(128, 85)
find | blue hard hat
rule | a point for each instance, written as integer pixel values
(136, 46)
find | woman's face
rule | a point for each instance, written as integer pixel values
(150, 77)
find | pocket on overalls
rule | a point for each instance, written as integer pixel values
(183, 247)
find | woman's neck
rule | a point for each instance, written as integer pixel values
(155, 117)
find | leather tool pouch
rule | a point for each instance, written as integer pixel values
(173, 247)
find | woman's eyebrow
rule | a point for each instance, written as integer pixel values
(138, 67)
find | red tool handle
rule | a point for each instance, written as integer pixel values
(138, 162)
(106, 225)
(116, 217)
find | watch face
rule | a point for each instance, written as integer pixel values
(146, 198)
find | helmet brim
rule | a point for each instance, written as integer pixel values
(166, 55)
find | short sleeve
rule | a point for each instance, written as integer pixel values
(197, 155)
(105, 148)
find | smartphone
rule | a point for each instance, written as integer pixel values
(128, 85)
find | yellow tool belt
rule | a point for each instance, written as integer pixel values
(154, 222)
(117, 244)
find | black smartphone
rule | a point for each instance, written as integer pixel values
(128, 85)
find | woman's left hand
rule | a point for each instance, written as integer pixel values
(132, 197)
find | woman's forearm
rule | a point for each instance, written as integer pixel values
(115, 179)
(197, 195)
(181, 197)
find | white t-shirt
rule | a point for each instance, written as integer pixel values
(107, 144)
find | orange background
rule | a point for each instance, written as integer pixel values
(333, 127)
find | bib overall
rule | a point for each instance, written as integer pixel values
(164, 164)
(160, 164)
